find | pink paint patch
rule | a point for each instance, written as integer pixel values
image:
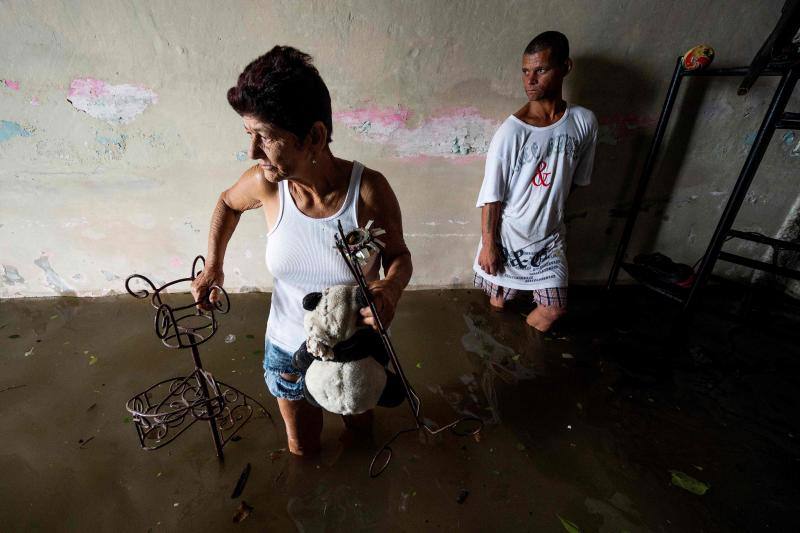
(115, 104)
(34, 101)
(13, 85)
(387, 116)
(88, 87)
(175, 262)
(614, 128)
(454, 132)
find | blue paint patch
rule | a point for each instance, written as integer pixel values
(788, 138)
(241, 155)
(10, 129)
(113, 146)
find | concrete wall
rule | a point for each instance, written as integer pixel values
(116, 136)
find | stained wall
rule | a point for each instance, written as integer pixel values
(116, 138)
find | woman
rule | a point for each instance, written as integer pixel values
(303, 190)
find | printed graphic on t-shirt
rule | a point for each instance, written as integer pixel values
(530, 266)
(560, 144)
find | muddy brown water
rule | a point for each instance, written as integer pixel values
(585, 425)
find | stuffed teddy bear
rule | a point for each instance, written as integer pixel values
(344, 362)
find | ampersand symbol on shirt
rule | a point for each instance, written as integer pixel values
(540, 177)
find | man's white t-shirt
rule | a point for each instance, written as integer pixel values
(531, 170)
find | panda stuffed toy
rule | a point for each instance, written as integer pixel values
(345, 363)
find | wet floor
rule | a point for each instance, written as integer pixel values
(615, 423)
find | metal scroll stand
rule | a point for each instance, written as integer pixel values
(355, 247)
(165, 410)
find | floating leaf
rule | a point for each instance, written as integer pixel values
(92, 359)
(250, 336)
(419, 364)
(127, 420)
(687, 482)
(569, 526)
(14, 336)
(242, 512)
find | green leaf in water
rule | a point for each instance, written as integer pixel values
(687, 482)
(569, 526)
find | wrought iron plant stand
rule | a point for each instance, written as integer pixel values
(165, 410)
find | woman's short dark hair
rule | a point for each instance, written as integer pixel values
(555, 41)
(283, 88)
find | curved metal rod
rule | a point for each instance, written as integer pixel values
(196, 272)
(164, 321)
(141, 293)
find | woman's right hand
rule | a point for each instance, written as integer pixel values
(202, 284)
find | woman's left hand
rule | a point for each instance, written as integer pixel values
(385, 294)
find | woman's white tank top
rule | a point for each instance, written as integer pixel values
(302, 258)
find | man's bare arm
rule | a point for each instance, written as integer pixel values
(489, 257)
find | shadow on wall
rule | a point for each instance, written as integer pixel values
(627, 104)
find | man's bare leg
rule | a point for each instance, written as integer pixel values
(497, 303)
(543, 317)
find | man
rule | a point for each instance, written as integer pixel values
(535, 158)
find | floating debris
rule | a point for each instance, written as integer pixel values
(85, 442)
(569, 526)
(30, 352)
(230, 338)
(566, 355)
(687, 482)
(276, 454)
(242, 512)
(462, 496)
(92, 359)
(237, 490)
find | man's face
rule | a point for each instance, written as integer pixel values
(541, 76)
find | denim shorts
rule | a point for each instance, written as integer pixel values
(277, 362)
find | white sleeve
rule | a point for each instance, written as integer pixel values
(583, 173)
(497, 172)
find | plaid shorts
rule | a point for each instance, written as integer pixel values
(551, 296)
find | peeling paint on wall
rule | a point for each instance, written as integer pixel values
(10, 129)
(53, 279)
(115, 104)
(451, 133)
(615, 128)
(110, 276)
(112, 146)
(11, 276)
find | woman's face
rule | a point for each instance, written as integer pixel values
(277, 152)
